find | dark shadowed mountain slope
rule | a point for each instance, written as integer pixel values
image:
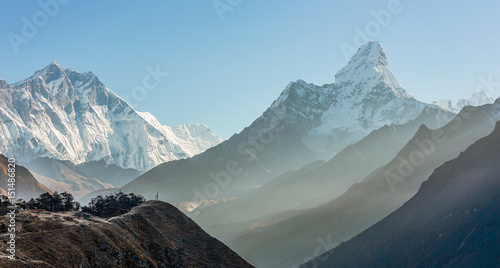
(453, 220)
(316, 183)
(295, 240)
(26, 185)
(154, 234)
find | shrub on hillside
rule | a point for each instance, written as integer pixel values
(113, 205)
(51, 202)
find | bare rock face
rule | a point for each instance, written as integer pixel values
(154, 234)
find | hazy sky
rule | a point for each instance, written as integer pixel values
(225, 68)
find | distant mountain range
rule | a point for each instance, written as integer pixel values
(66, 115)
(453, 220)
(477, 99)
(319, 167)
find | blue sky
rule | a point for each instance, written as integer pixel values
(226, 70)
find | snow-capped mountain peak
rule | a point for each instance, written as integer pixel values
(365, 96)
(368, 68)
(53, 65)
(477, 99)
(369, 55)
(54, 70)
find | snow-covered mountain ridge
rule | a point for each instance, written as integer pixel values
(66, 115)
(477, 99)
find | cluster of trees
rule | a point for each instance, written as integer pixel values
(113, 205)
(51, 202)
(101, 206)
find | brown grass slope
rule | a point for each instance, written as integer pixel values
(154, 234)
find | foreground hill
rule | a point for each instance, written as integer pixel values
(154, 234)
(26, 185)
(453, 220)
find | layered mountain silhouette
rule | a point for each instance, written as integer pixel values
(294, 240)
(306, 123)
(319, 182)
(453, 220)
